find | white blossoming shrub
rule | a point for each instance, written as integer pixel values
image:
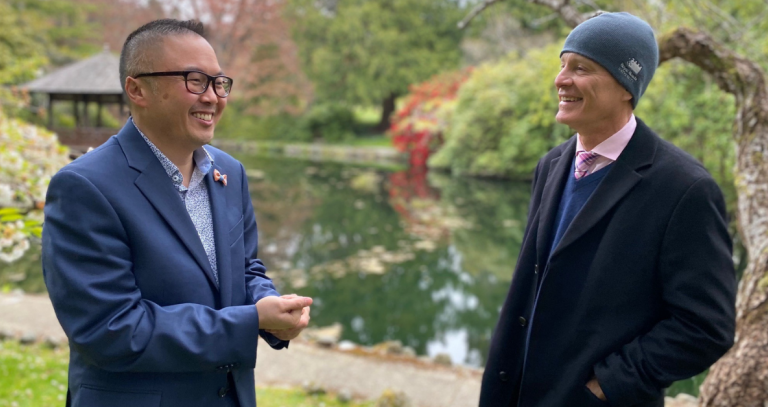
(29, 156)
(14, 237)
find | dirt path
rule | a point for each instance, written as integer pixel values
(426, 385)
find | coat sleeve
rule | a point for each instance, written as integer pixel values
(256, 280)
(87, 265)
(698, 286)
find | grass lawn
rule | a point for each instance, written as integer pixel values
(36, 376)
(282, 397)
(32, 376)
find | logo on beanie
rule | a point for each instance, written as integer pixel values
(631, 69)
(634, 66)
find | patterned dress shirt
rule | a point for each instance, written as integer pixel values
(195, 197)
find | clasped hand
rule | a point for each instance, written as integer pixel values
(285, 316)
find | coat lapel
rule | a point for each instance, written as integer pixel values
(157, 187)
(219, 215)
(559, 170)
(620, 179)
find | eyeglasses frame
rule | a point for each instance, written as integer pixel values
(185, 74)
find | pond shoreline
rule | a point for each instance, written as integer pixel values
(367, 377)
(376, 155)
(26, 316)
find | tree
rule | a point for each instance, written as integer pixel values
(37, 33)
(741, 376)
(117, 19)
(251, 40)
(369, 51)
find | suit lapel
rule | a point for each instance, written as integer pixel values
(157, 187)
(620, 179)
(219, 215)
(559, 170)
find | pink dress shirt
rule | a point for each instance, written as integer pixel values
(610, 149)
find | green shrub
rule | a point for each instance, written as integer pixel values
(684, 105)
(505, 117)
(236, 123)
(330, 122)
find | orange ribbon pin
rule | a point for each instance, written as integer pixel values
(217, 176)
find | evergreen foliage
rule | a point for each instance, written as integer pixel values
(37, 33)
(363, 51)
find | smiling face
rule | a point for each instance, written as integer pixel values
(172, 115)
(592, 102)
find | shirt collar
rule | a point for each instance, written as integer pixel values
(612, 147)
(203, 159)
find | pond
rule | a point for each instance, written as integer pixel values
(389, 254)
(425, 259)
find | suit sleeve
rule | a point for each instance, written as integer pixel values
(256, 280)
(698, 286)
(87, 265)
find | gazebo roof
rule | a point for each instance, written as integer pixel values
(97, 75)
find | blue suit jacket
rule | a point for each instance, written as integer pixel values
(132, 286)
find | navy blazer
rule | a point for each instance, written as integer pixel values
(132, 286)
(640, 291)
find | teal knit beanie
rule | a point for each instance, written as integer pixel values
(622, 44)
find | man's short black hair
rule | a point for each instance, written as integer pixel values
(134, 58)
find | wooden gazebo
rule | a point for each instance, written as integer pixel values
(93, 80)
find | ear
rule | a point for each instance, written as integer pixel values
(136, 92)
(626, 96)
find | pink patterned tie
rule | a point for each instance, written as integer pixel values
(584, 160)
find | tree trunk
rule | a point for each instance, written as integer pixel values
(740, 378)
(387, 108)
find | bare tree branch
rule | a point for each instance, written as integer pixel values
(475, 12)
(734, 74)
(539, 21)
(567, 11)
(721, 14)
(590, 3)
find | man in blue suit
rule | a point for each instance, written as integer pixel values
(150, 242)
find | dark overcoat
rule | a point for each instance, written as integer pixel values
(640, 291)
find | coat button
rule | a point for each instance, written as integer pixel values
(223, 392)
(503, 376)
(536, 269)
(522, 321)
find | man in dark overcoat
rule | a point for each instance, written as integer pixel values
(625, 281)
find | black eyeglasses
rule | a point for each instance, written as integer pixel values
(197, 82)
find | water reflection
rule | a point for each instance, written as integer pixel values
(391, 255)
(421, 258)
